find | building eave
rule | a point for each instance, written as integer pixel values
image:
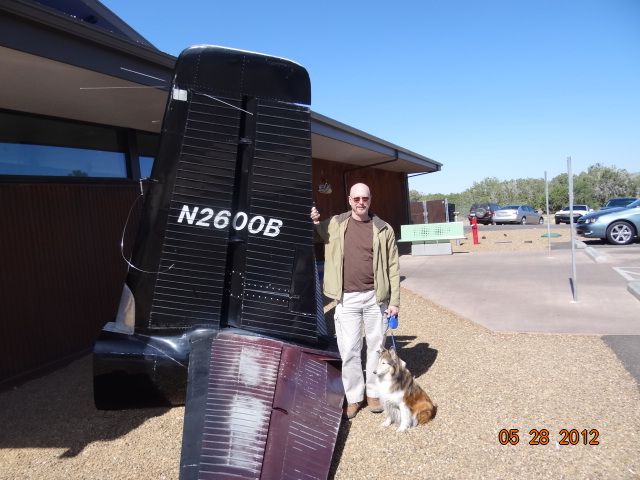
(63, 58)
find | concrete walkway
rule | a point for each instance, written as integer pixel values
(532, 292)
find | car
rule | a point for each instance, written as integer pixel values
(616, 225)
(618, 202)
(517, 214)
(483, 212)
(563, 216)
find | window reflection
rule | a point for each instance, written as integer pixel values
(25, 159)
(146, 164)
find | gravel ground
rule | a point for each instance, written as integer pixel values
(482, 382)
(510, 238)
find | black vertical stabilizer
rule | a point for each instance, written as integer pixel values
(225, 227)
(225, 240)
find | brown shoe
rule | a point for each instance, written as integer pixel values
(374, 405)
(352, 410)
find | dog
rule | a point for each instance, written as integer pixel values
(405, 403)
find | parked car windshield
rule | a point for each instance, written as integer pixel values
(634, 204)
(618, 202)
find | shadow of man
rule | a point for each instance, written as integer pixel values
(419, 357)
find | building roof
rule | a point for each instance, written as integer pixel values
(56, 61)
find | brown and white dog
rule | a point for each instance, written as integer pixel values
(405, 403)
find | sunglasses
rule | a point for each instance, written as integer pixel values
(357, 199)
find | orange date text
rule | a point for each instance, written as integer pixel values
(541, 436)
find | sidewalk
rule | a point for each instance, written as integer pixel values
(529, 291)
(532, 292)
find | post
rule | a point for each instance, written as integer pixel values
(546, 196)
(574, 282)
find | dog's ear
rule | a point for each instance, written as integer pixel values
(393, 353)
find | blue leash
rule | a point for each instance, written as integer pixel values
(393, 324)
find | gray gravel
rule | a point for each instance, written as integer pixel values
(482, 382)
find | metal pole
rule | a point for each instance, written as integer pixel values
(574, 282)
(446, 210)
(546, 196)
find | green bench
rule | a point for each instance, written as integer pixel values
(431, 238)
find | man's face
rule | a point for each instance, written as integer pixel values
(360, 200)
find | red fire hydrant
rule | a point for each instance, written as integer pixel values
(474, 230)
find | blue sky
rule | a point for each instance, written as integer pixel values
(492, 88)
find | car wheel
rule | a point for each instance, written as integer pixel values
(620, 233)
(480, 212)
(541, 221)
(523, 221)
(557, 222)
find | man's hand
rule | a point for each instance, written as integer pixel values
(392, 310)
(315, 215)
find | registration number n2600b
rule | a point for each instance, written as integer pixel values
(207, 217)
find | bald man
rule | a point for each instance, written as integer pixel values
(362, 273)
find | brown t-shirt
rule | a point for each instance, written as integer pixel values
(358, 256)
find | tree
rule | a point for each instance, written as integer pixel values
(593, 187)
(415, 196)
(558, 192)
(610, 182)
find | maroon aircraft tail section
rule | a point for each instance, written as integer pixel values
(270, 410)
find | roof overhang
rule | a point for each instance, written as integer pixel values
(335, 141)
(52, 64)
(42, 86)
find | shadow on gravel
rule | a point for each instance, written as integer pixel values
(57, 411)
(419, 357)
(343, 434)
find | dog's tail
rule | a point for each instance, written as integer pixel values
(428, 414)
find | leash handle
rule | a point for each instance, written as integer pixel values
(392, 323)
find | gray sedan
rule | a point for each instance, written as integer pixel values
(517, 214)
(617, 225)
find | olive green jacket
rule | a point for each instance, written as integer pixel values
(386, 267)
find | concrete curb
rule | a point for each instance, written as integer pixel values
(634, 288)
(596, 255)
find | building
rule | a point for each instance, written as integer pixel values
(81, 106)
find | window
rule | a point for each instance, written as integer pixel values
(147, 149)
(32, 145)
(21, 159)
(146, 165)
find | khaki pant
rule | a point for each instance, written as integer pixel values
(355, 311)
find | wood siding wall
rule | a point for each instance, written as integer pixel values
(418, 211)
(390, 199)
(61, 272)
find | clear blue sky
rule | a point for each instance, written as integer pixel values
(500, 88)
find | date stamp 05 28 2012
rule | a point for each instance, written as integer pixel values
(540, 436)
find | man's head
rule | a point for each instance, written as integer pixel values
(360, 200)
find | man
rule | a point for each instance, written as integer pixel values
(362, 273)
